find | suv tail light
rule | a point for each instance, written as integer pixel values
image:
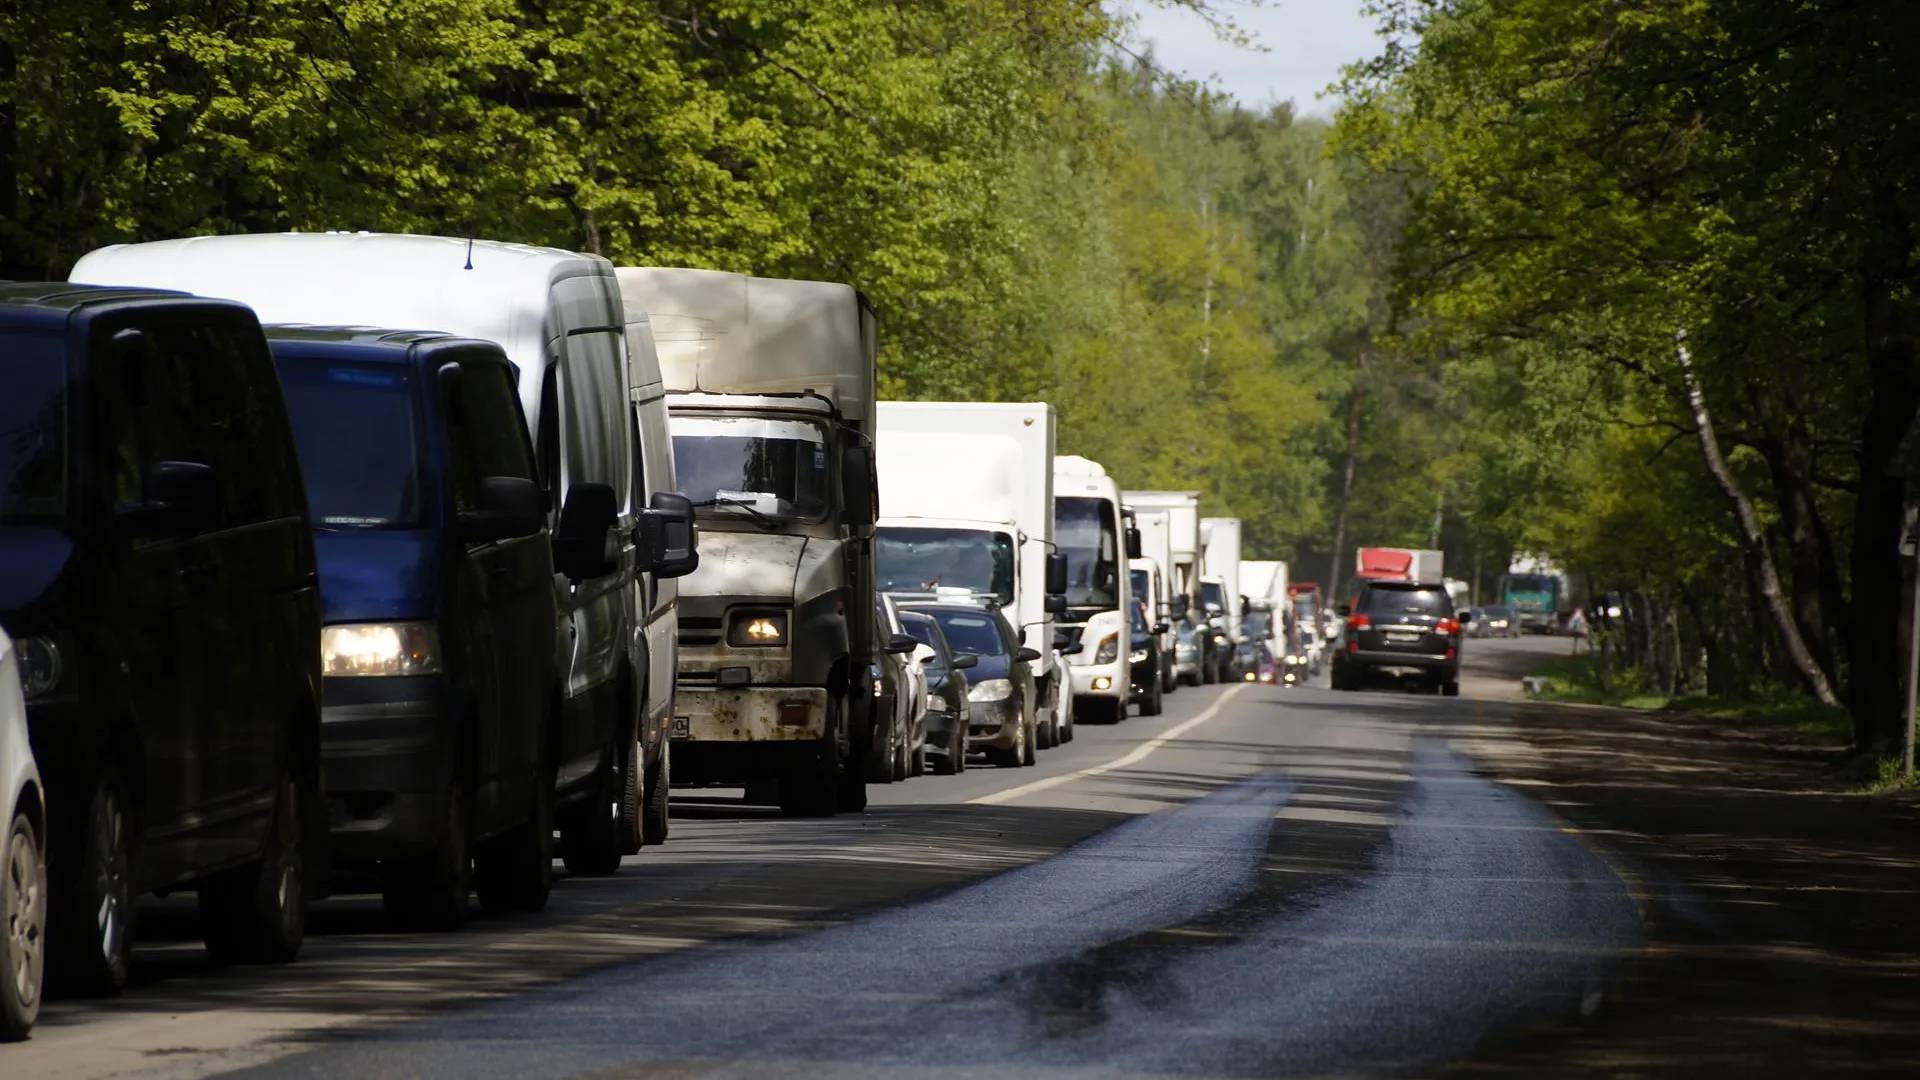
(1450, 627)
(1359, 622)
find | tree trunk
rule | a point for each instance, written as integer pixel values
(1334, 576)
(1815, 572)
(1875, 663)
(13, 261)
(1751, 533)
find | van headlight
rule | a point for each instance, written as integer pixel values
(1137, 656)
(374, 649)
(1109, 649)
(987, 691)
(936, 703)
(42, 666)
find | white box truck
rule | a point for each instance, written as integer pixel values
(1263, 586)
(1153, 583)
(1183, 530)
(966, 495)
(1220, 590)
(1089, 529)
(770, 394)
(559, 316)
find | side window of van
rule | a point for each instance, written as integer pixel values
(596, 405)
(487, 435)
(153, 414)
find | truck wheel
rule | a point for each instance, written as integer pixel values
(23, 904)
(431, 892)
(657, 820)
(1153, 704)
(1027, 755)
(814, 782)
(1209, 672)
(514, 871)
(257, 914)
(91, 928)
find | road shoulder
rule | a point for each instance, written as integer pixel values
(1782, 908)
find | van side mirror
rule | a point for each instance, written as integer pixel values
(1025, 655)
(965, 660)
(1074, 649)
(668, 541)
(583, 545)
(858, 505)
(1133, 542)
(1056, 604)
(1162, 626)
(901, 644)
(1056, 573)
(1463, 616)
(509, 507)
(181, 497)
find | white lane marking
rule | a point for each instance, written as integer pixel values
(1121, 762)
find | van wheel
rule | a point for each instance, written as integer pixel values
(1028, 744)
(91, 929)
(595, 835)
(514, 871)
(23, 944)
(657, 820)
(430, 893)
(257, 914)
(1152, 705)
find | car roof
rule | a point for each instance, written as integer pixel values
(48, 304)
(951, 609)
(369, 344)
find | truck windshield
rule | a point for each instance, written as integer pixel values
(1142, 583)
(921, 559)
(1084, 530)
(753, 467)
(33, 428)
(1212, 597)
(357, 432)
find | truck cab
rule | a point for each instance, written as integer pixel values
(770, 398)
(1091, 534)
(1220, 591)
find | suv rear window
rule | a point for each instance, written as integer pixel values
(1406, 600)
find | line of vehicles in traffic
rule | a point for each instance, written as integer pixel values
(407, 564)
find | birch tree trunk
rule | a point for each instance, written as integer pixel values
(1768, 578)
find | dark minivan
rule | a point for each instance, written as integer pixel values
(1401, 625)
(439, 620)
(157, 567)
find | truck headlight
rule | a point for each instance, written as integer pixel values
(757, 628)
(41, 666)
(987, 691)
(1109, 649)
(935, 703)
(374, 649)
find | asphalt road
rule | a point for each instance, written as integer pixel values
(1261, 882)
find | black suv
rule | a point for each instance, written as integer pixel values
(157, 567)
(1406, 625)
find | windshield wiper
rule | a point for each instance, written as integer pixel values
(759, 515)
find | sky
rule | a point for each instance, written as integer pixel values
(1308, 41)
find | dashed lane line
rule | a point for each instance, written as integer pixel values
(1131, 757)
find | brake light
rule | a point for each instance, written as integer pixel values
(1450, 626)
(1359, 622)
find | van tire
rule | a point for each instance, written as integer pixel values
(90, 950)
(257, 913)
(23, 933)
(431, 892)
(514, 871)
(595, 834)
(657, 820)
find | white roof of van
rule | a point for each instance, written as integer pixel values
(726, 333)
(475, 288)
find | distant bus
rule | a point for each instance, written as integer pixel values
(1535, 599)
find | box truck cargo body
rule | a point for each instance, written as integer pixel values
(1220, 588)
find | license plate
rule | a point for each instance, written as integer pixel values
(682, 727)
(1403, 637)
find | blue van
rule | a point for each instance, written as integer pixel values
(440, 692)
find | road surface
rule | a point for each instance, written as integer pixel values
(1261, 882)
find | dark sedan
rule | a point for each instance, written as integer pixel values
(1402, 626)
(1001, 690)
(947, 706)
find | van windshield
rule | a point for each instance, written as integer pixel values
(921, 560)
(356, 426)
(1084, 529)
(33, 428)
(751, 467)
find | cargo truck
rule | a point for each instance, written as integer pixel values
(1183, 576)
(1263, 587)
(966, 488)
(1088, 527)
(1399, 564)
(1220, 591)
(1153, 582)
(770, 397)
(1537, 593)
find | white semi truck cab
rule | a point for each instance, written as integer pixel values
(771, 403)
(967, 493)
(1090, 532)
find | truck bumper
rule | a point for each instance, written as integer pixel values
(1102, 680)
(754, 714)
(388, 749)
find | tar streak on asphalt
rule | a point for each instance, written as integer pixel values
(1480, 913)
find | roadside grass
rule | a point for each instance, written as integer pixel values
(1577, 679)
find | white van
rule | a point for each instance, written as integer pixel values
(560, 318)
